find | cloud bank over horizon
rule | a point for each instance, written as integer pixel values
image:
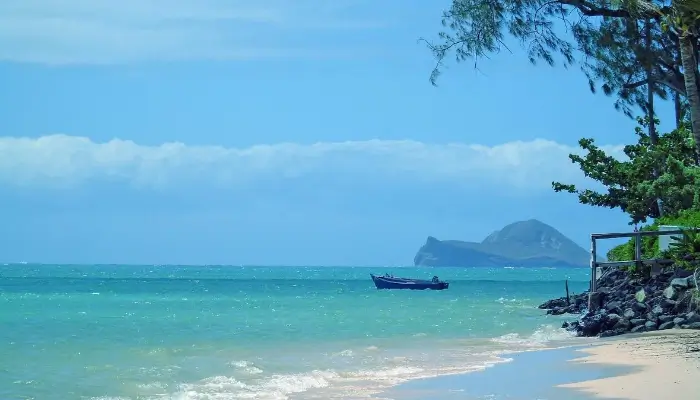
(63, 161)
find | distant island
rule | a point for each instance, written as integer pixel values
(529, 243)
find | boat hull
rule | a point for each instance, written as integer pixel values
(410, 284)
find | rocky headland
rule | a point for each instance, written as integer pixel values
(626, 303)
(530, 243)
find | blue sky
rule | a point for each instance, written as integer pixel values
(275, 132)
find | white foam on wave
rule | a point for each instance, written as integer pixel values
(544, 336)
(326, 384)
(153, 386)
(246, 367)
(109, 398)
(276, 387)
(505, 300)
(397, 374)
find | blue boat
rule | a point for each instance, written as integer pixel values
(390, 282)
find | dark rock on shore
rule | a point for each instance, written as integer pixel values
(624, 303)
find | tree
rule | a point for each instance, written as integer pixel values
(633, 185)
(622, 58)
(679, 18)
(477, 28)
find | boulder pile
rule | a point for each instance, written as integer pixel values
(624, 303)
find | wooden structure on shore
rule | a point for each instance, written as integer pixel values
(638, 261)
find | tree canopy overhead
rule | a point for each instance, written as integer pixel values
(477, 28)
(623, 46)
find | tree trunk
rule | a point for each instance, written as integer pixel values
(679, 109)
(690, 69)
(653, 135)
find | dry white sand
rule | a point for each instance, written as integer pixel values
(666, 363)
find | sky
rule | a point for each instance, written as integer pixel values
(276, 132)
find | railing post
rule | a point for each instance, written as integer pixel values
(594, 267)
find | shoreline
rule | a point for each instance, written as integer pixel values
(614, 368)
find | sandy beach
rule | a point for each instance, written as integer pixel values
(650, 366)
(663, 365)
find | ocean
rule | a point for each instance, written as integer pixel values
(113, 332)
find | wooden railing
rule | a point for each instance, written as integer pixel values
(638, 261)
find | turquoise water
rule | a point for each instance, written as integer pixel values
(223, 332)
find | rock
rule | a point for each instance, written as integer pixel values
(556, 311)
(694, 325)
(681, 283)
(613, 332)
(596, 300)
(666, 325)
(591, 325)
(612, 317)
(667, 304)
(670, 293)
(611, 321)
(683, 304)
(624, 304)
(613, 306)
(639, 307)
(571, 326)
(666, 318)
(652, 317)
(681, 273)
(622, 324)
(556, 303)
(692, 317)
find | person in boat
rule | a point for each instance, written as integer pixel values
(436, 279)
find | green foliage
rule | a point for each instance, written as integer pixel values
(650, 245)
(686, 218)
(684, 250)
(625, 252)
(622, 59)
(667, 171)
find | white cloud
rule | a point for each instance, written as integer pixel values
(61, 160)
(109, 31)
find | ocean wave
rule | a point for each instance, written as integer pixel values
(345, 353)
(246, 366)
(543, 337)
(383, 369)
(276, 387)
(327, 384)
(368, 374)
